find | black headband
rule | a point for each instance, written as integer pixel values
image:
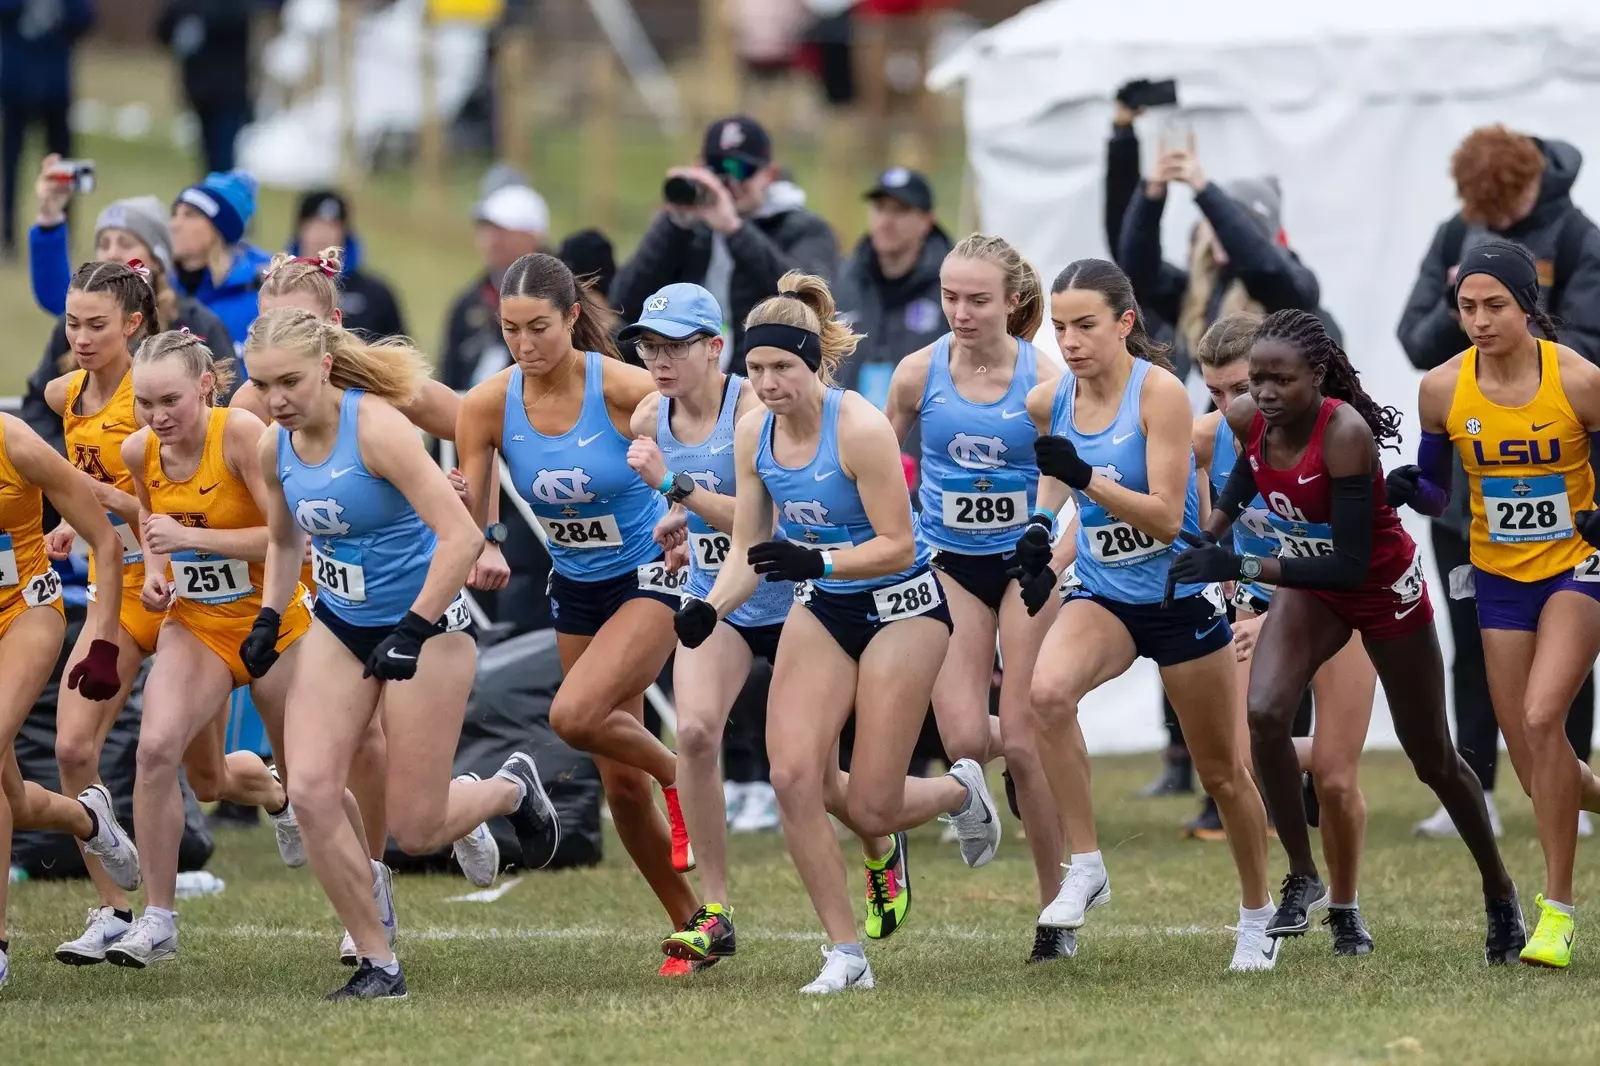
(1507, 267)
(802, 342)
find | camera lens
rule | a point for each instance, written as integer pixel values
(680, 192)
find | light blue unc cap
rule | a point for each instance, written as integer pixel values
(678, 312)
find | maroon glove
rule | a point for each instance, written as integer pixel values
(95, 676)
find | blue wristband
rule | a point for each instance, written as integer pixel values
(827, 563)
(666, 485)
(1043, 512)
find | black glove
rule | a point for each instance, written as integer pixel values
(1400, 487)
(694, 622)
(784, 560)
(1032, 553)
(1588, 526)
(1060, 460)
(260, 649)
(1203, 562)
(1037, 588)
(395, 657)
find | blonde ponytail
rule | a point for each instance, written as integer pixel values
(391, 369)
(1021, 280)
(805, 302)
(317, 277)
(196, 357)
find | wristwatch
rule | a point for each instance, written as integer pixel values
(495, 533)
(682, 485)
(1249, 567)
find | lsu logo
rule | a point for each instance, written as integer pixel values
(806, 513)
(321, 518)
(1520, 452)
(972, 452)
(707, 480)
(557, 487)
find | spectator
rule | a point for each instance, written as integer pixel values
(211, 41)
(1518, 187)
(749, 227)
(211, 260)
(366, 302)
(591, 257)
(36, 42)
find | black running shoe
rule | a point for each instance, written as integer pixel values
(537, 827)
(370, 982)
(1507, 932)
(1308, 795)
(1050, 944)
(1176, 778)
(1350, 936)
(1300, 896)
(1011, 794)
(1207, 825)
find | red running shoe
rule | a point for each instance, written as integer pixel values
(682, 850)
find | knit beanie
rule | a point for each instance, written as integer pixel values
(227, 199)
(146, 219)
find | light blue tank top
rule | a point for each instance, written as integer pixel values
(596, 512)
(1252, 532)
(710, 463)
(370, 549)
(818, 505)
(1115, 560)
(979, 473)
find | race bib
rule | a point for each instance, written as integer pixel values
(36, 591)
(803, 591)
(1409, 587)
(710, 550)
(457, 616)
(343, 579)
(596, 531)
(1120, 544)
(1520, 509)
(908, 599)
(1588, 570)
(984, 502)
(208, 578)
(9, 575)
(1245, 593)
(1069, 580)
(1302, 540)
(655, 577)
(132, 550)
(1213, 596)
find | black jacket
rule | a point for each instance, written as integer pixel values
(211, 40)
(763, 250)
(366, 302)
(473, 348)
(898, 317)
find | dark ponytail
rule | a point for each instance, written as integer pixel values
(1107, 279)
(544, 277)
(132, 290)
(1306, 334)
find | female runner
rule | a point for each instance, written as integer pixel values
(1116, 430)
(874, 628)
(1345, 564)
(562, 417)
(1523, 411)
(1343, 686)
(968, 393)
(345, 467)
(32, 624)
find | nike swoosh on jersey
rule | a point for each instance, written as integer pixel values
(824, 476)
(340, 473)
(719, 449)
(1119, 440)
(1543, 425)
(1013, 414)
(584, 442)
(208, 488)
(1408, 610)
(1307, 480)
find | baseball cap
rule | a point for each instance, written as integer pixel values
(906, 186)
(677, 312)
(736, 146)
(324, 204)
(517, 208)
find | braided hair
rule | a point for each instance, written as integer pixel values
(1304, 332)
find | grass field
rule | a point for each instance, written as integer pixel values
(561, 969)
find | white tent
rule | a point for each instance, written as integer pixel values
(1356, 106)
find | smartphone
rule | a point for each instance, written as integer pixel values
(78, 174)
(1143, 93)
(1177, 131)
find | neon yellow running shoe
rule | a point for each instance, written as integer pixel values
(888, 891)
(707, 935)
(1552, 940)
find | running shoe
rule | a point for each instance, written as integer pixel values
(1050, 944)
(1350, 936)
(1439, 826)
(1308, 798)
(477, 853)
(888, 891)
(1083, 889)
(286, 827)
(709, 933)
(682, 850)
(110, 842)
(1552, 938)
(534, 819)
(102, 929)
(383, 896)
(371, 982)
(1011, 794)
(348, 956)
(1207, 825)
(1254, 948)
(676, 967)
(839, 972)
(978, 824)
(1176, 778)
(151, 938)
(5, 969)
(1301, 897)
(1507, 931)
(758, 812)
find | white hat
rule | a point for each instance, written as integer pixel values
(517, 208)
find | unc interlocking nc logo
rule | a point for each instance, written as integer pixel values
(321, 517)
(562, 486)
(972, 452)
(806, 513)
(707, 480)
(1109, 471)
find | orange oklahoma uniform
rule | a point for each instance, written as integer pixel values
(214, 598)
(94, 445)
(26, 580)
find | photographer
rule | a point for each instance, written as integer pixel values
(730, 224)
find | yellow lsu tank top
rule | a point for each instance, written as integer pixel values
(94, 445)
(25, 574)
(207, 585)
(1528, 472)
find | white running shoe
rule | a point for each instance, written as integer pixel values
(286, 827)
(758, 813)
(839, 972)
(1253, 949)
(1585, 825)
(5, 969)
(1438, 825)
(383, 896)
(978, 827)
(950, 836)
(102, 929)
(347, 950)
(151, 938)
(478, 853)
(732, 799)
(110, 843)
(1083, 889)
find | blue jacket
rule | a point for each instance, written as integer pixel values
(36, 42)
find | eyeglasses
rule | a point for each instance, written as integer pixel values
(733, 167)
(671, 350)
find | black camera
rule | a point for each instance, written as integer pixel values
(682, 192)
(1145, 93)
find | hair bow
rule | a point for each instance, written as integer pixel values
(138, 267)
(320, 262)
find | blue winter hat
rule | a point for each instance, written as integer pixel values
(227, 199)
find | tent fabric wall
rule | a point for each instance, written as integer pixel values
(1356, 107)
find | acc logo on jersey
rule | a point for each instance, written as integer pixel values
(321, 517)
(977, 453)
(562, 486)
(707, 480)
(806, 513)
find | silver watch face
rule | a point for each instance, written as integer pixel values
(1250, 568)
